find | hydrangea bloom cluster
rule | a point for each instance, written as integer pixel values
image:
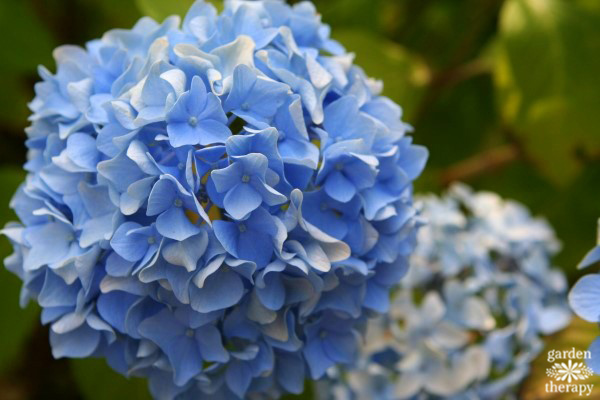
(216, 205)
(469, 316)
(584, 299)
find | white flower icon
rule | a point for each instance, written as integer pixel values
(569, 371)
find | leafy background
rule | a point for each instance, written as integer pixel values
(505, 93)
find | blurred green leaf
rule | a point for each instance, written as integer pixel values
(360, 14)
(97, 381)
(578, 335)
(108, 14)
(404, 75)
(25, 37)
(16, 322)
(445, 33)
(461, 123)
(13, 107)
(30, 44)
(547, 79)
(161, 9)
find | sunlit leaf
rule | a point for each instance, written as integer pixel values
(359, 14)
(160, 9)
(547, 76)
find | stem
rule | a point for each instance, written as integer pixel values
(481, 164)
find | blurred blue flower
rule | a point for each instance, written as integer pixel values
(584, 299)
(469, 317)
(216, 205)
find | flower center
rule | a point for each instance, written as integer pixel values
(151, 240)
(193, 121)
(178, 202)
(181, 166)
(339, 166)
(246, 178)
(189, 332)
(242, 228)
(324, 206)
(245, 107)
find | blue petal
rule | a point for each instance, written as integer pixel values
(174, 224)
(338, 187)
(316, 359)
(227, 233)
(81, 149)
(221, 290)
(592, 257)
(162, 197)
(290, 372)
(272, 295)
(584, 298)
(210, 344)
(186, 253)
(131, 247)
(226, 178)
(113, 308)
(241, 200)
(238, 378)
(79, 343)
(594, 361)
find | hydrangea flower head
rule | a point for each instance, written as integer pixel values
(469, 317)
(216, 205)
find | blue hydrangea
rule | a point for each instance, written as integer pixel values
(584, 299)
(469, 317)
(216, 205)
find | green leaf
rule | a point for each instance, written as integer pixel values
(25, 36)
(404, 75)
(17, 322)
(97, 381)
(547, 79)
(359, 14)
(13, 105)
(161, 9)
(30, 44)
(578, 335)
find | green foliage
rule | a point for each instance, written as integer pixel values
(547, 76)
(160, 9)
(404, 75)
(97, 381)
(30, 44)
(16, 322)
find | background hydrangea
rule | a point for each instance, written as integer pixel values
(217, 207)
(470, 315)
